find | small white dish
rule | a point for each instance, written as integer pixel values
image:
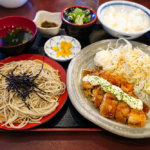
(55, 41)
(42, 16)
(12, 3)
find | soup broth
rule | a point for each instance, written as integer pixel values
(15, 37)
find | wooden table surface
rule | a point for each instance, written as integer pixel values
(102, 140)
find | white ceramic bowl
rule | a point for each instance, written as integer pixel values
(12, 3)
(42, 16)
(55, 41)
(125, 5)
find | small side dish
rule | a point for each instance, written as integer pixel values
(77, 20)
(79, 16)
(48, 23)
(62, 48)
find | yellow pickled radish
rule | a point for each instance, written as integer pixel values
(56, 48)
(64, 49)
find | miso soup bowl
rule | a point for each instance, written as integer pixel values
(9, 23)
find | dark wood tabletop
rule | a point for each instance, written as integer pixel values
(68, 140)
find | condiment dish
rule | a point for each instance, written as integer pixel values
(56, 42)
(75, 29)
(50, 17)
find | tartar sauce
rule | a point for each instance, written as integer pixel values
(115, 90)
(102, 58)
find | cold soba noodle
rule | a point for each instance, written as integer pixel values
(41, 101)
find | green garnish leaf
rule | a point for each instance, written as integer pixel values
(79, 16)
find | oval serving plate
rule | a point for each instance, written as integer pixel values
(62, 75)
(84, 60)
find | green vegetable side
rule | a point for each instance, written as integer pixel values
(79, 16)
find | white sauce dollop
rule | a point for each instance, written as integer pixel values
(102, 58)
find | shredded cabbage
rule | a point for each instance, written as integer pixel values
(131, 63)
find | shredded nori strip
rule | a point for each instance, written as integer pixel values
(24, 84)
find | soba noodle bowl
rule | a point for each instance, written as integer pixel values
(12, 108)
